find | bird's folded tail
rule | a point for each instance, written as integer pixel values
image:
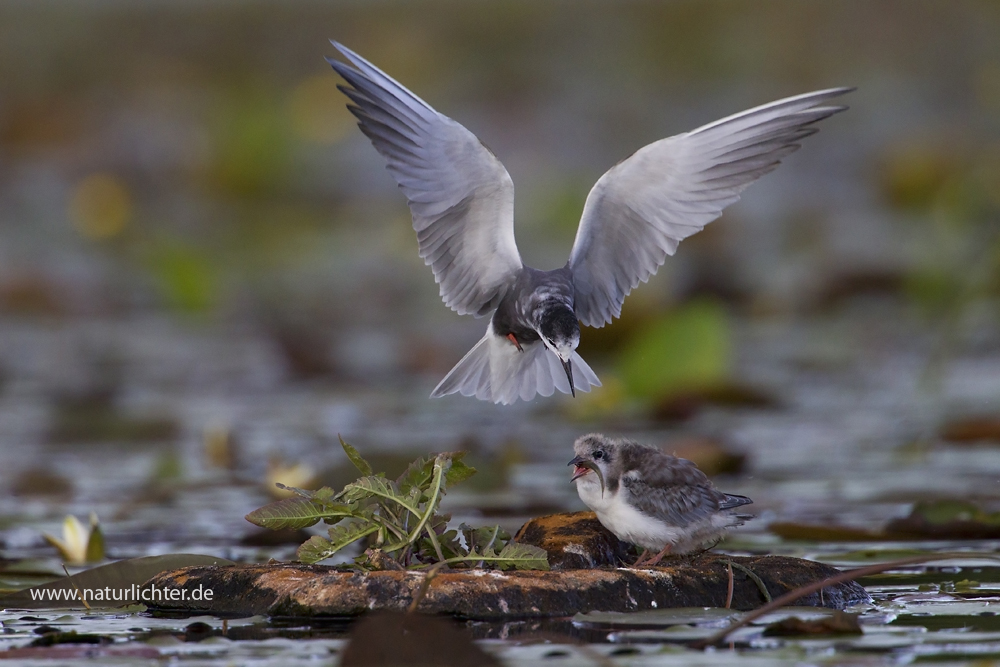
(733, 501)
(494, 370)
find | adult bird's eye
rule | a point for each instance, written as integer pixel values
(598, 454)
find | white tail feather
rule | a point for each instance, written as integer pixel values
(494, 370)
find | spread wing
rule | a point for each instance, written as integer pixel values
(639, 210)
(461, 197)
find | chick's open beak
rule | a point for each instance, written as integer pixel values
(583, 466)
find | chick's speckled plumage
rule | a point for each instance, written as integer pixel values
(650, 498)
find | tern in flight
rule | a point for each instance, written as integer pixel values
(462, 201)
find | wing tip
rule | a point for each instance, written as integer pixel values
(836, 91)
(349, 54)
(343, 69)
(346, 52)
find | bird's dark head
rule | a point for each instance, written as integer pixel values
(594, 453)
(560, 332)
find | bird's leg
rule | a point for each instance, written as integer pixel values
(642, 556)
(706, 549)
(656, 559)
(512, 338)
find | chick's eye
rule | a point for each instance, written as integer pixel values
(598, 455)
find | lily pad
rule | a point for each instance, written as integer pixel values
(123, 579)
(838, 623)
(657, 617)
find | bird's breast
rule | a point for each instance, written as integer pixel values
(507, 320)
(631, 525)
(589, 489)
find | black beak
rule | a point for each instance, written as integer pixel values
(582, 465)
(568, 367)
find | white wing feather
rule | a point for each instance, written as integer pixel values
(639, 210)
(495, 371)
(460, 195)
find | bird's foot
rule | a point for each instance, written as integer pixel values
(512, 338)
(658, 557)
(638, 561)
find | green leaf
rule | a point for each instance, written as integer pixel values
(487, 537)
(442, 462)
(374, 504)
(442, 466)
(420, 473)
(417, 475)
(95, 544)
(449, 544)
(345, 534)
(317, 548)
(447, 540)
(356, 458)
(395, 546)
(380, 487)
(518, 556)
(294, 513)
(323, 495)
(357, 512)
(416, 496)
(459, 470)
(302, 493)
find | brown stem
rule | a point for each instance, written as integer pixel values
(729, 590)
(424, 585)
(77, 588)
(846, 575)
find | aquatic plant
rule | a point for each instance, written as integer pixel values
(402, 518)
(79, 544)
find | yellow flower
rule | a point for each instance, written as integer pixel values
(299, 475)
(80, 544)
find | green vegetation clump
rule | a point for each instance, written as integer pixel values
(401, 517)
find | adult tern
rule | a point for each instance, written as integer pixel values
(462, 202)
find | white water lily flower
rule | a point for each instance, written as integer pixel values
(80, 544)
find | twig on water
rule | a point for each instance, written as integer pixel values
(846, 575)
(75, 587)
(729, 590)
(753, 577)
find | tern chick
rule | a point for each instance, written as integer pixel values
(462, 201)
(660, 502)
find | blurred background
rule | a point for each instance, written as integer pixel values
(206, 274)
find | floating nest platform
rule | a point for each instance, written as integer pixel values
(586, 576)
